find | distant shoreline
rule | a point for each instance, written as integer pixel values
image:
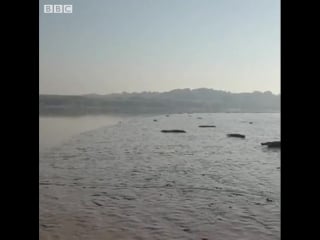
(176, 101)
(64, 114)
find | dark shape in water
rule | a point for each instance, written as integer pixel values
(167, 115)
(155, 120)
(173, 131)
(236, 135)
(98, 204)
(250, 122)
(207, 126)
(275, 144)
(199, 117)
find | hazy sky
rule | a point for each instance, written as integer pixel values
(108, 46)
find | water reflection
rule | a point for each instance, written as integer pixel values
(54, 130)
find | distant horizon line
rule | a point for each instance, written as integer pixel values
(135, 92)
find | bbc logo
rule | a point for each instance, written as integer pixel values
(57, 8)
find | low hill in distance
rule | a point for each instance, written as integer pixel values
(200, 100)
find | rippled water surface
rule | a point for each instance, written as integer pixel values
(130, 181)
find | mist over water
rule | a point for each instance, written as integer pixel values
(131, 181)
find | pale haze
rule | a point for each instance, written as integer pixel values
(108, 46)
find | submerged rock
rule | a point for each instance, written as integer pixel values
(236, 135)
(275, 144)
(173, 131)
